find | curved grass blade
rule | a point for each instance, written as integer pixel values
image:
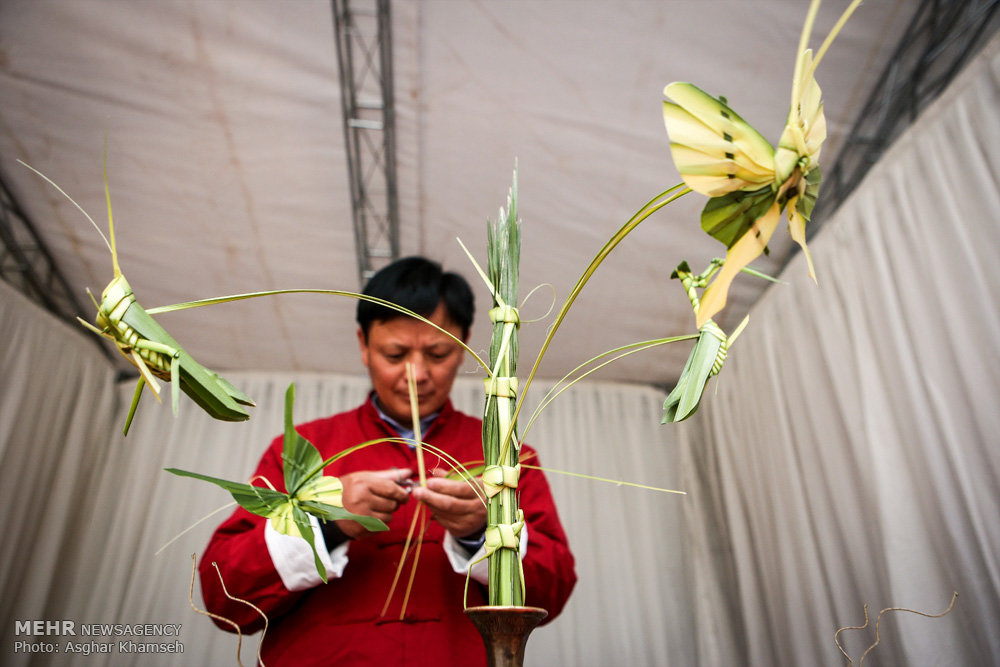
(353, 295)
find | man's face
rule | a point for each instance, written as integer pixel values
(434, 356)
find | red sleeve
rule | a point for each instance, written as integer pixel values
(549, 571)
(245, 566)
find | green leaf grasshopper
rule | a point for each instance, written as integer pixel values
(309, 491)
(148, 346)
(709, 351)
(750, 182)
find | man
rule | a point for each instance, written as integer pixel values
(353, 619)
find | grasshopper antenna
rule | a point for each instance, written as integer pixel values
(87, 215)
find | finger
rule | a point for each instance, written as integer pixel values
(390, 490)
(444, 503)
(451, 487)
(383, 505)
(395, 474)
(431, 498)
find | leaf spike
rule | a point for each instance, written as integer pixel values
(111, 220)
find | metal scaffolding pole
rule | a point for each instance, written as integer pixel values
(364, 56)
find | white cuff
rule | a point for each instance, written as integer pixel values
(293, 558)
(460, 559)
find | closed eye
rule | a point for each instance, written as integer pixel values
(439, 354)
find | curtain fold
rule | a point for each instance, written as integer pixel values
(850, 456)
(57, 402)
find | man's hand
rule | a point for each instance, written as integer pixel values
(453, 504)
(372, 493)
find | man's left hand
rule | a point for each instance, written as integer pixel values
(453, 504)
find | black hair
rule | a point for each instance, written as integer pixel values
(418, 284)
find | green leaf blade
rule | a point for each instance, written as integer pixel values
(327, 512)
(258, 500)
(301, 459)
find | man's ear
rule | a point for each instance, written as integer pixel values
(363, 345)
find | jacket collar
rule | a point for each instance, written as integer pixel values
(428, 425)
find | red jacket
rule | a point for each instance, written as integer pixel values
(341, 622)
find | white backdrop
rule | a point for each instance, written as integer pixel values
(848, 457)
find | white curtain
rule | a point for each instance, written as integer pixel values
(57, 399)
(852, 453)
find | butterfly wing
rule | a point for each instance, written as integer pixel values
(797, 157)
(714, 149)
(292, 520)
(805, 129)
(728, 217)
(748, 248)
(721, 155)
(799, 209)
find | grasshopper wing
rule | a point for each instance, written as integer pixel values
(683, 401)
(216, 396)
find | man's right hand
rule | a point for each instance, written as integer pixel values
(374, 493)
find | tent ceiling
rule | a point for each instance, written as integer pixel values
(228, 173)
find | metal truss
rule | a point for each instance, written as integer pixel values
(364, 56)
(942, 37)
(27, 264)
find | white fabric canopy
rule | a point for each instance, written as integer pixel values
(227, 164)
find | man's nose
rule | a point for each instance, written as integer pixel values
(419, 366)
